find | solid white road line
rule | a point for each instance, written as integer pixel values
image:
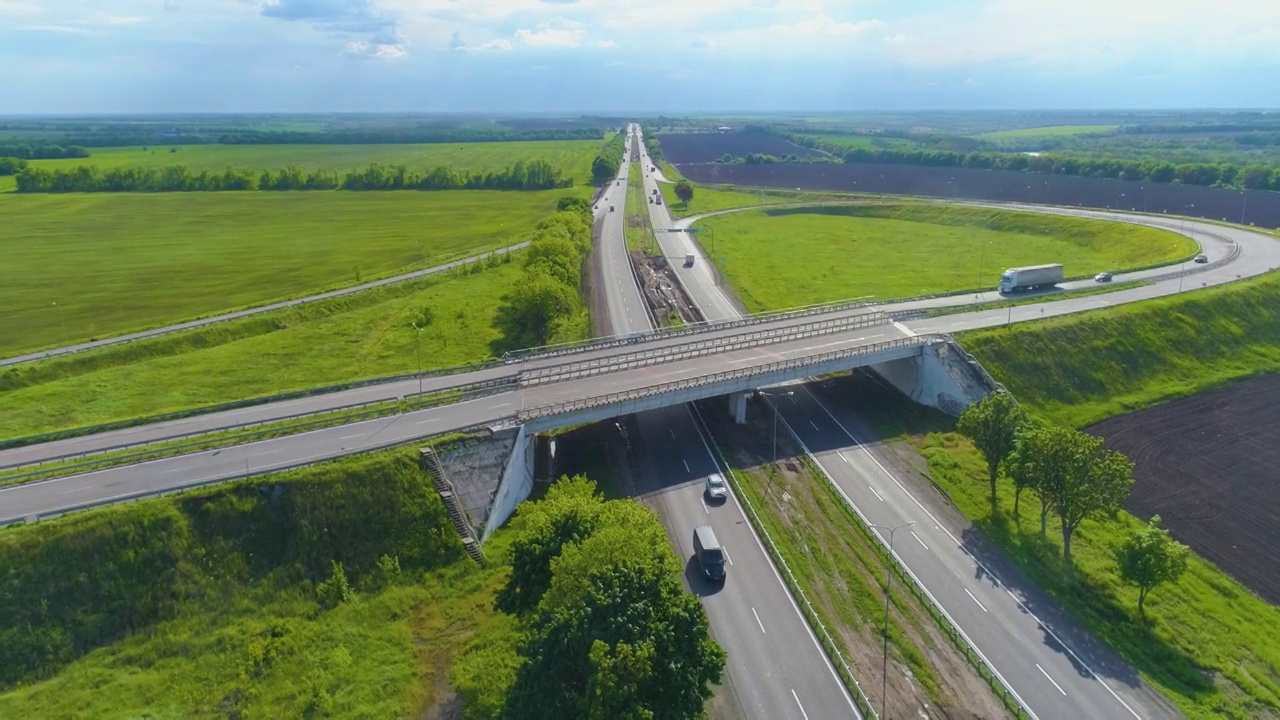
(815, 426)
(753, 612)
(971, 597)
(1046, 677)
(686, 464)
(725, 548)
(804, 714)
(873, 492)
(917, 537)
(705, 509)
(673, 433)
(348, 437)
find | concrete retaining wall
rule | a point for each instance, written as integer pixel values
(942, 376)
(515, 485)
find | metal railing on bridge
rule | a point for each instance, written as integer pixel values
(644, 358)
(569, 406)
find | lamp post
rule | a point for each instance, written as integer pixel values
(1244, 199)
(773, 403)
(62, 318)
(888, 578)
(417, 351)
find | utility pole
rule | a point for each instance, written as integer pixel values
(417, 351)
(888, 578)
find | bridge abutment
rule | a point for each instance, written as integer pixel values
(738, 407)
(516, 482)
(942, 376)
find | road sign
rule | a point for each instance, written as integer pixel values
(692, 230)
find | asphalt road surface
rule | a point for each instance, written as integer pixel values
(784, 676)
(67, 350)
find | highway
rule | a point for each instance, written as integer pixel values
(223, 317)
(1010, 637)
(769, 679)
(1029, 650)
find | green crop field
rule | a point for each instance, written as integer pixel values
(573, 157)
(894, 250)
(334, 341)
(1079, 369)
(114, 263)
(1048, 131)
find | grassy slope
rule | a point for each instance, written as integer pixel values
(1079, 369)
(1207, 620)
(723, 197)
(115, 263)
(574, 157)
(241, 631)
(901, 250)
(329, 342)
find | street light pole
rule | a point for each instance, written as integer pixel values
(774, 404)
(417, 350)
(888, 578)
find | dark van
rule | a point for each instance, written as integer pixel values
(707, 549)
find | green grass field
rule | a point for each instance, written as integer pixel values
(573, 157)
(360, 336)
(1211, 647)
(1034, 133)
(207, 605)
(724, 197)
(894, 250)
(114, 263)
(1080, 369)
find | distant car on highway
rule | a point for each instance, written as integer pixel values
(1202, 258)
(610, 208)
(1102, 277)
(716, 489)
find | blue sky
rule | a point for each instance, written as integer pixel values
(73, 56)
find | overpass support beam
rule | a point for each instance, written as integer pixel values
(738, 407)
(516, 482)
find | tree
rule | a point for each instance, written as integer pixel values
(1150, 556)
(992, 424)
(684, 191)
(615, 635)
(604, 169)
(1075, 476)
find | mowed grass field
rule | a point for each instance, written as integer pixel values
(783, 258)
(328, 342)
(573, 157)
(1048, 131)
(115, 263)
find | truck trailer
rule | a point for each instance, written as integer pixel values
(1030, 277)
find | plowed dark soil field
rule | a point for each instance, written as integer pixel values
(710, 147)
(1209, 465)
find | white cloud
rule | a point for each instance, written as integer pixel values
(606, 44)
(550, 37)
(118, 19)
(500, 44)
(55, 28)
(10, 7)
(379, 51)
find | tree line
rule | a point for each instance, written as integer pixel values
(1219, 174)
(595, 623)
(531, 175)
(25, 151)
(11, 165)
(766, 159)
(545, 304)
(1074, 477)
(609, 160)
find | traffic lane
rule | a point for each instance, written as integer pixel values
(1056, 683)
(268, 412)
(774, 677)
(104, 486)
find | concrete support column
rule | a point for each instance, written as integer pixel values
(738, 407)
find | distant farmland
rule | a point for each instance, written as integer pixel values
(710, 147)
(573, 157)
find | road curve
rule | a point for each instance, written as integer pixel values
(249, 312)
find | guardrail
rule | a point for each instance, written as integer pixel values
(636, 393)
(571, 348)
(828, 643)
(626, 361)
(425, 400)
(239, 404)
(1008, 697)
(194, 485)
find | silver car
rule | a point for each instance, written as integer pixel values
(716, 489)
(1102, 277)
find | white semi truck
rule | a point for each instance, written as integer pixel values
(1030, 277)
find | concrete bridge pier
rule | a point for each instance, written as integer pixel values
(738, 407)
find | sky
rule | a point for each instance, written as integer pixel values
(642, 56)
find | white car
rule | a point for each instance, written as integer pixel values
(716, 489)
